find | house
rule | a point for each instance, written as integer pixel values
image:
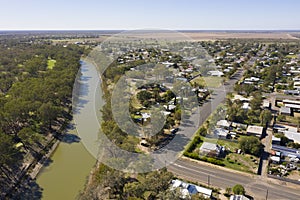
(221, 133)
(238, 197)
(216, 73)
(252, 79)
(266, 104)
(239, 126)
(285, 111)
(241, 98)
(292, 135)
(246, 106)
(285, 151)
(187, 189)
(210, 149)
(292, 92)
(293, 107)
(255, 130)
(276, 140)
(223, 124)
(275, 159)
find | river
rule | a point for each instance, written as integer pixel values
(67, 172)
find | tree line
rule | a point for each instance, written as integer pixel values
(35, 101)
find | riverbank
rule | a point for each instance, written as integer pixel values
(38, 167)
(66, 172)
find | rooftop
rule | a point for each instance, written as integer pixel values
(285, 110)
(223, 123)
(258, 130)
(209, 146)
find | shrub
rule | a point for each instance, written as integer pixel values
(191, 147)
(238, 189)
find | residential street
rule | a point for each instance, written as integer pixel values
(204, 173)
(255, 186)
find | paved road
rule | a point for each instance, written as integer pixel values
(256, 186)
(222, 178)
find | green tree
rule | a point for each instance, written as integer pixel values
(47, 113)
(144, 96)
(250, 145)
(256, 101)
(265, 117)
(238, 189)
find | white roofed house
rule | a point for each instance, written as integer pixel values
(224, 124)
(266, 104)
(216, 73)
(210, 149)
(255, 130)
(292, 135)
(221, 133)
(297, 85)
(285, 111)
(187, 189)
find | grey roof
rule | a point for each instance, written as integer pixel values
(258, 130)
(285, 110)
(209, 146)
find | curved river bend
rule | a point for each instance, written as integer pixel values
(64, 177)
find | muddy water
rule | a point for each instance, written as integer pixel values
(66, 173)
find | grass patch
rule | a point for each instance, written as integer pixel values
(213, 82)
(135, 102)
(292, 56)
(240, 162)
(210, 81)
(291, 119)
(51, 64)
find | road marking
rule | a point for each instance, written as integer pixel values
(193, 170)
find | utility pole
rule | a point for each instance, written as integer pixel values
(267, 194)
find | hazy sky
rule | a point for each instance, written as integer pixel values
(137, 14)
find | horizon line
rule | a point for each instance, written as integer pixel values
(263, 30)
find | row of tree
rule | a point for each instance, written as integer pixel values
(34, 101)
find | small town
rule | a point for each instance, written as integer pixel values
(150, 100)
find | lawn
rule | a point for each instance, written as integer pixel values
(135, 102)
(211, 82)
(51, 64)
(292, 56)
(291, 119)
(239, 162)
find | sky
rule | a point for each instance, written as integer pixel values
(146, 14)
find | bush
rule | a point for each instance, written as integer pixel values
(192, 155)
(214, 161)
(238, 189)
(191, 147)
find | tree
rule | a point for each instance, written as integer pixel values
(256, 102)
(265, 117)
(178, 114)
(28, 137)
(238, 189)
(144, 96)
(47, 113)
(250, 145)
(9, 155)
